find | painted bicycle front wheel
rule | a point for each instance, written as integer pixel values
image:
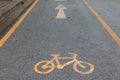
(82, 67)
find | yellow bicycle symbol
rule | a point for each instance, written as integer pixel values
(47, 66)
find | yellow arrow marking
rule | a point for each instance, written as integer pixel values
(61, 14)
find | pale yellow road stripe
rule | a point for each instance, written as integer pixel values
(9, 33)
(105, 25)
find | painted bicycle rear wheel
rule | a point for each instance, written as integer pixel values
(44, 67)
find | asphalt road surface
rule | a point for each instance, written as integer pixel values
(41, 35)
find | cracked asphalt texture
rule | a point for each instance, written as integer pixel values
(41, 34)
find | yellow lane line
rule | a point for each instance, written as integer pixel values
(105, 25)
(9, 33)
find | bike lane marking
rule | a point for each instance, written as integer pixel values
(105, 25)
(49, 65)
(9, 33)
